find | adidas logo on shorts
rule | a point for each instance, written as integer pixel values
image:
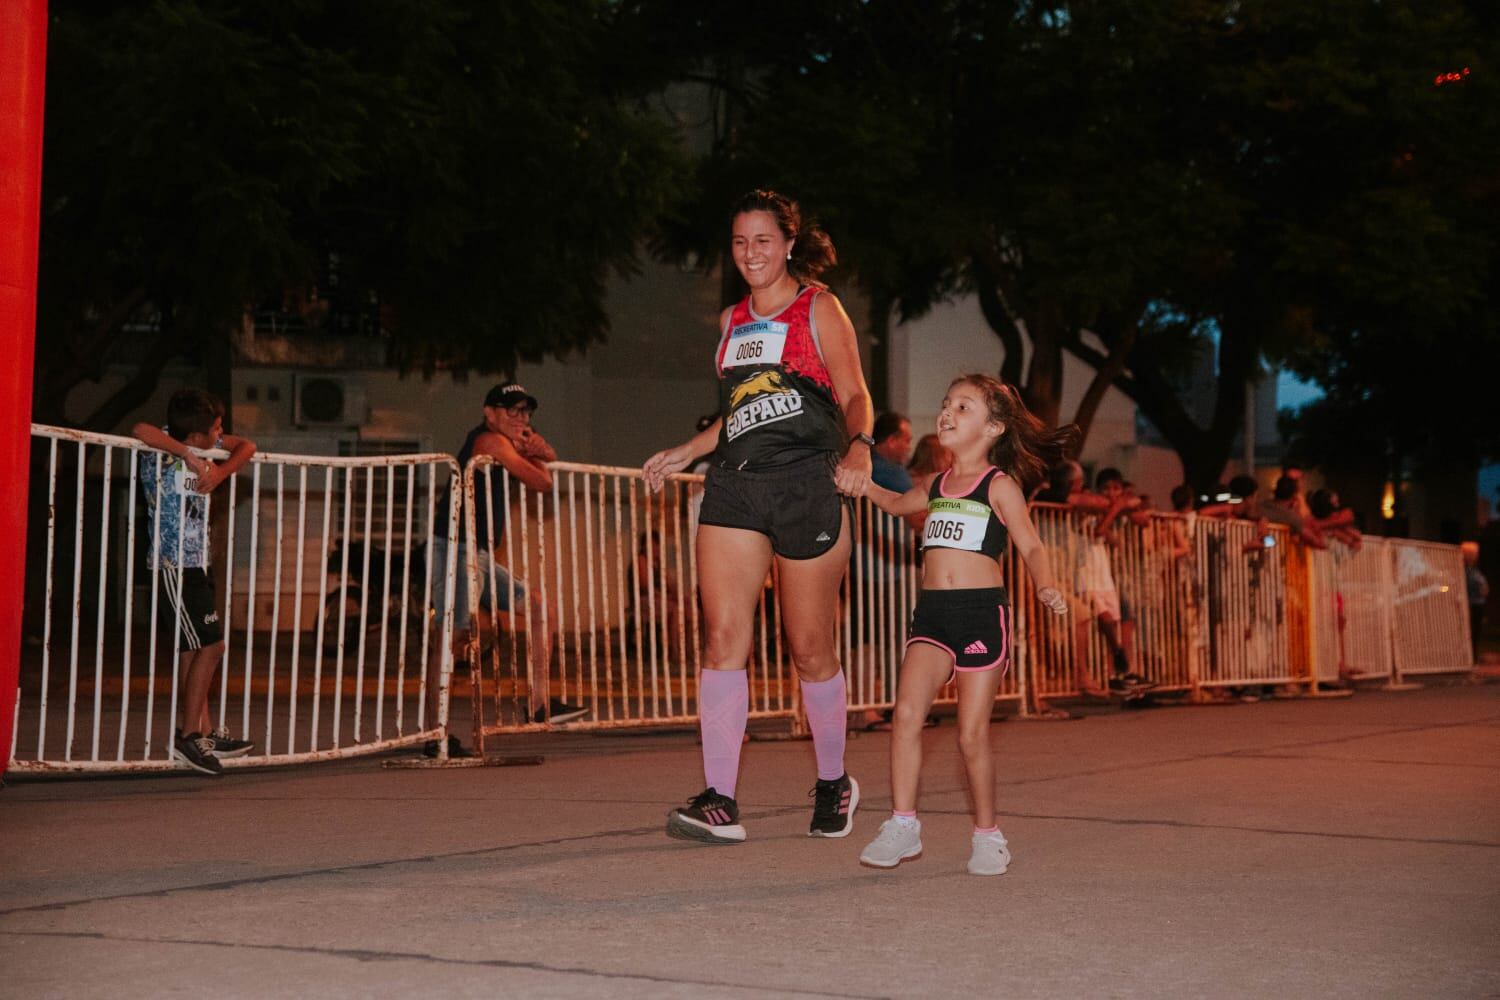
(823, 536)
(975, 648)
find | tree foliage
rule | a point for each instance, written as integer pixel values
(479, 167)
(1132, 182)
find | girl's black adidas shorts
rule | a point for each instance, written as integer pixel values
(795, 505)
(973, 626)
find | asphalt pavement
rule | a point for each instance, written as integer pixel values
(1328, 848)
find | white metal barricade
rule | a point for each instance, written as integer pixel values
(1429, 606)
(597, 587)
(1245, 606)
(1349, 599)
(1144, 576)
(333, 648)
(323, 597)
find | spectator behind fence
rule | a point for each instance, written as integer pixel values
(195, 419)
(930, 457)
(1286, 506)
(1479, 592)
(892, 436)
(506, 435)
(1294, 472)
(1097, 598)
(1111, 484)
(1334, 519)
(1181, 526)
(1242, 505)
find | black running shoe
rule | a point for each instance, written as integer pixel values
(1130, 683)
(226, 746)
(196, 751)
(708, 818)
(558, 712)
(834, 803)
(456, 750)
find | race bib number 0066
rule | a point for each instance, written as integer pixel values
(759, 343)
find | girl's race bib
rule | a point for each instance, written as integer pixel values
(955, 524)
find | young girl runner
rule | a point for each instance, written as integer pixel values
(961, 625)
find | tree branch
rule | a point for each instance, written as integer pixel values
(1002, 319)
(1105, 375)
(1157, 398)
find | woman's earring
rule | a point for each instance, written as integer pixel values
(788, 255)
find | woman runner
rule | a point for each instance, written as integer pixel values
(790, 389)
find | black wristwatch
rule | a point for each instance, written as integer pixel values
(865, 438)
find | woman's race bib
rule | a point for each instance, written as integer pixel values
(758, 343)
(955, 524)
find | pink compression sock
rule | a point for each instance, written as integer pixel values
(827, 706)
(723, 707)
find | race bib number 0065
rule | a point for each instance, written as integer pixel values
(955, 524)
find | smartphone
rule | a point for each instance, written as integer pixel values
(1268, 541)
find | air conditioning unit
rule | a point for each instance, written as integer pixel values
(329, 401)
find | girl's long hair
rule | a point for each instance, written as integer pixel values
(1028, 448)
(812, 250)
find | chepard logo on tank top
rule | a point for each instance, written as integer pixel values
(760, 400)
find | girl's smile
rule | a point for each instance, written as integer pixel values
(965, 418)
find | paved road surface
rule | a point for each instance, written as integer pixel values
(1346, 848)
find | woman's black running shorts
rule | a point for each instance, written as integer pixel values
(795, 505)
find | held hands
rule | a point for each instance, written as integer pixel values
(1053, 599)
(852, 476)
(661, 465)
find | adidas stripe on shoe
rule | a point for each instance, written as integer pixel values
(834, 803)
(708, 818)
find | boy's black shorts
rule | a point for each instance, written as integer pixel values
(973, 626)
(795, 505)
(197, 616)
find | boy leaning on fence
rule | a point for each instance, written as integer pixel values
(176, 486)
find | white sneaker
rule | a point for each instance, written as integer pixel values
(991, 855)
(899, 840)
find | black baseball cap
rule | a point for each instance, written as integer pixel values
(509, 395)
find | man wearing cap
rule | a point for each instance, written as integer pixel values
(506, 435)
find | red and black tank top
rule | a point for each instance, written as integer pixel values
(775, 393)
(964, 520)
